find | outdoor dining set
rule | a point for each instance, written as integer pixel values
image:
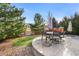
(54, 35)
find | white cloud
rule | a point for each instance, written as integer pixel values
(59, 19)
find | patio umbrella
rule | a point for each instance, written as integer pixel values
(69, 29)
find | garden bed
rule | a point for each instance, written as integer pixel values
(20, 46)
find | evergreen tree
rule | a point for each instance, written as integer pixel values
(54, 22)
(39, 24)
(11, 21)
(64, 23)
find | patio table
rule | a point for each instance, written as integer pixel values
(49, 33)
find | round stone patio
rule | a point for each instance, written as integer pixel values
(70, 47)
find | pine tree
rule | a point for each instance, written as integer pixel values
(11, 21)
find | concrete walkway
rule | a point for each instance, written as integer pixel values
(70, 47)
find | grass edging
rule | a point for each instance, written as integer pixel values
(23, 41)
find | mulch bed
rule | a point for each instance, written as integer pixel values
(6, 49)
(17, 51)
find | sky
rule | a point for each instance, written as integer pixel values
(58, 10)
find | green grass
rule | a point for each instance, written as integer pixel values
(23, 41)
